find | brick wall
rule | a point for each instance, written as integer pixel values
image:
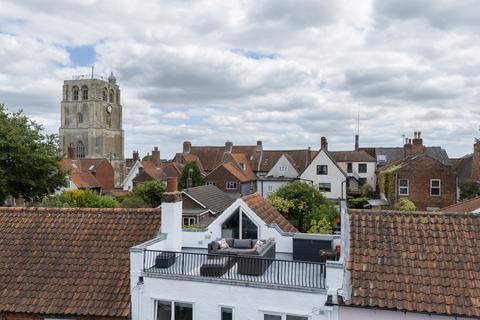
(220, 176)
(105, 174)
(419, 174)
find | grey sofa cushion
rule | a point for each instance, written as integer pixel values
(242, 244)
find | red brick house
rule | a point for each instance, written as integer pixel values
(69, 263)
(232, 179)
(95, 174)
(425, 180)
(468, 167)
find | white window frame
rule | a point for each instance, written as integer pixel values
(228, 188)
(225, 306)
(283, 315)
(283, 168)
(400, 188)
(439, 187)
(320, 189)
(210, 183)
(172, 305)
(189, 220)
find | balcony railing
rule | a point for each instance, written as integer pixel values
(282, 273)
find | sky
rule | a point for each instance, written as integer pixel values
(284, 72)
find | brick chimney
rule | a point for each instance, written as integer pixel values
(356, 141)
(414, 146)
(323, 144)
(156, 157)
(228, 147)
(136, 156)
(476, 161)
(187, 146)
(172, 216)
(259, 146)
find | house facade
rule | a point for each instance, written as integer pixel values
(282, 172)
(232, 179)
(325, 174)
(178, 275)
(91, 174)
(359, 166)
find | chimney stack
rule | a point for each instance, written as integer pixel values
(228, 147)
(156, 157)
(414, 146)
(476, 161)
(187, 146)
(171, 216)
(136, 156)
(356, 141)
(323, 144)
(259, 146)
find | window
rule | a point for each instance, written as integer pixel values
(80, 150)
(270, 188)
(84, 93)
(210, 183)
(75, 93)
(349, 167)
(283, 169)
(274, 316)
(362, 181)
(189, 221)
(231, 185)
(170, 310)
(104, 93)
(325, 187)
(435, 187)
(403, 187)
(80, 117)
(226, 313)
(362, 168)
(239, 226)
(111, 96)
(322, 169)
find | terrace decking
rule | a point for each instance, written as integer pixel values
(275, 273)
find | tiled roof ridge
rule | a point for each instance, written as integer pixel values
(416, 213)
(87, 210)
(461, 203)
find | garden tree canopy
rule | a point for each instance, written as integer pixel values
(196, 175)
(150, 192)
(469, 189)
(79, 199)
(29, 158)
(304, 206)
(404, 205)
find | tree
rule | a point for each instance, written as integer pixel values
(151, 192)
(404, 205)
(134, 201)
(79, 199)
(469, 189)
(195, 174)
(29, 159)
(302, 203)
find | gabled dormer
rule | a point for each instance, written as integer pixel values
(283, 168)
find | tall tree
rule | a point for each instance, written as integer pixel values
(29, 158)
(151, 192)
(192, 169)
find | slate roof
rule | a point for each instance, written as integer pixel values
(70, 262)
(267, 212)
(352, 156)
(211, 197)
(415, 261)
(300, 159)
(397, 153)
(465, 206)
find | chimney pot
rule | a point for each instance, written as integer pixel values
(324, 143)
(136, 155)
(356, 141)
(259, 145)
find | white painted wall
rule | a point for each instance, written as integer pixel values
(369, 175)
(348, 313)
(265, 187)
(127, 184)
(248, 302)
(284, 163)
(172, 225)
(335, 176)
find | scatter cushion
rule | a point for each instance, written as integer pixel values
(223, 244)
(258, 244)
(242, 244)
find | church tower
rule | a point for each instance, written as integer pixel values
(91, 122)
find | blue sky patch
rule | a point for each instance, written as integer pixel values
(256, 55)
(82, 55)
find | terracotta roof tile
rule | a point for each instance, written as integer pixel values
(267, 212)
(465, 206)
(352, 156)
(415, 261)
(70, 261)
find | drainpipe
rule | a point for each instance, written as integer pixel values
(341, 186)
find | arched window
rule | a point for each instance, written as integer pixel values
(105, 95)
(111, 96)
(80, 117)
(80, 150)
(84, 93)
(75, 93)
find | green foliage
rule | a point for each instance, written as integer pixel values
(196, 175)
(193, 227)
(404, 205)
(151, 192)
(301, 203)
(367, 191)
(29, 161)
(386, 181)
(133, 201)
(357, 203)
(469, 189)
(322, 225)
(80, 199)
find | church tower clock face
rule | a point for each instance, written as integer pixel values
(109, 108)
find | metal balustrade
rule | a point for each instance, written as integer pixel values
(285, 273)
